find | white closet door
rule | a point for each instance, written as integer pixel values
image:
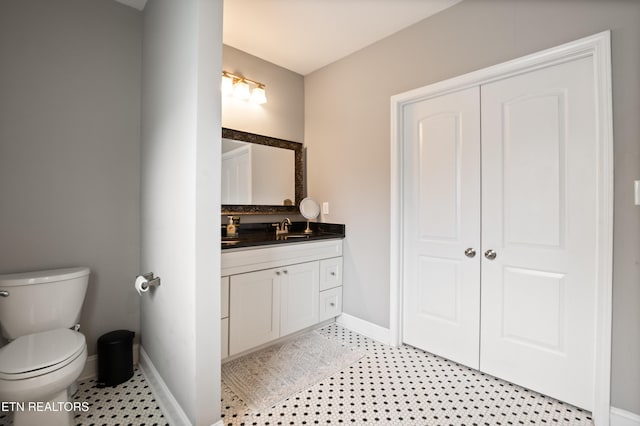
(236, 176)
(539, 217)
(442, 219)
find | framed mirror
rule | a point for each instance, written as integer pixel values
(260, 174)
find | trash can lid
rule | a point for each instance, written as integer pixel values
(117, 336)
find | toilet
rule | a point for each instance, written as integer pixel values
(44, 354)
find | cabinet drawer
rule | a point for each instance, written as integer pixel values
(330, 273)
(225, 338)
(224, 297)
(330, 303)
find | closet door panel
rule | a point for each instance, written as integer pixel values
(538, 216)
(441, 216)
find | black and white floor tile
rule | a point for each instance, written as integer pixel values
(406, 386)
(390, 386)
(130, 403)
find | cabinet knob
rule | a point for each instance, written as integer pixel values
(332, 304)
(470, 252)
(333, 273)
(277, 272)
(285, 272)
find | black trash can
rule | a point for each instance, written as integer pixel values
(115, 358)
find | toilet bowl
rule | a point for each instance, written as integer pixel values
(45, 353)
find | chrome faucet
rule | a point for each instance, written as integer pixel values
(282, 227)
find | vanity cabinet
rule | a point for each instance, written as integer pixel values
(279, 290)
(272, 303)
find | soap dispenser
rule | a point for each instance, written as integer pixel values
(232, 231)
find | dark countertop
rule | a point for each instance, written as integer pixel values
(260, 234)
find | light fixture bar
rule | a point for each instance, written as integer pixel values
(239, 77)
(238, 86)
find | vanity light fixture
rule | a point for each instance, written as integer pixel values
(258, 95)
(239, 87)
(227, 84)
(241, 90)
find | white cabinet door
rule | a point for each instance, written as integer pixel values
(224, 314)
(224, 333)
(224, 297)
(254, 309)
(300, 295)
(442, 220)
(539, 145)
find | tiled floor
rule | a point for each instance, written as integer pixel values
(406, 386)
(130, 403)
(390, 386)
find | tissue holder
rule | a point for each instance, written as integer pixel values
(151, 280)
(145, 281)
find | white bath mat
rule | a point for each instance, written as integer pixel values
(265, 377)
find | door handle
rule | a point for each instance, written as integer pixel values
(470, 252)
(490, 254)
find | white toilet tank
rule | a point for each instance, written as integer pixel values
(31, 302)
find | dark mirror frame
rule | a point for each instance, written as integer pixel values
(296, 147)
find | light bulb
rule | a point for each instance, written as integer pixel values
(226, 87)
(241, 90)
(258, 95)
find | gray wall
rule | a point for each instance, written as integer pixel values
(283, 114)
(69, 148)
(347, 116)
(181, 138)
(281, 117)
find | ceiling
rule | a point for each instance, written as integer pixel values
(305, 35)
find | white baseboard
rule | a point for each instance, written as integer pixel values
(621, 417)
(90, 369)
(168, 405)
(365, 328)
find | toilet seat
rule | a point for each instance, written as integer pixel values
(40, 353)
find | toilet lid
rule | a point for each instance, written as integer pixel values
(38, 351)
